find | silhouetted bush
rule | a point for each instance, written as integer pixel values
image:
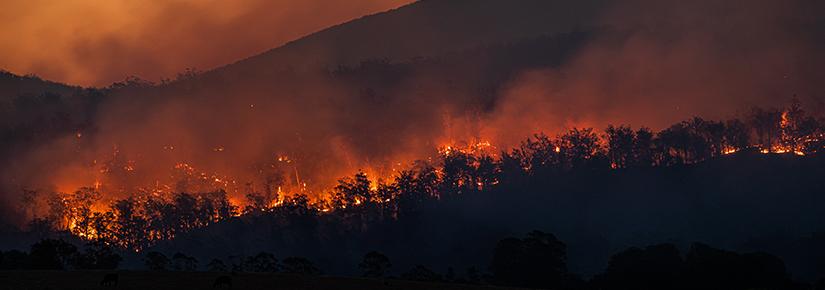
(216, 265)
(374, 265)
(156, 261)
(537, 261)
(262, 262)
(51, 254)
(97, 255)
(299, 265)
(421, 273)
(182, 262)
(654, 267)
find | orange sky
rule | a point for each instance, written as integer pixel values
(97, 42)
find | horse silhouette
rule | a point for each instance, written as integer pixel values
(222, 281)
(110, 280)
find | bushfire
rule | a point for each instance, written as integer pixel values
(191, 198)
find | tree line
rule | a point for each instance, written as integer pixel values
(538, 260)
(357, 203)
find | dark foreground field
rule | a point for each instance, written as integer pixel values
(202, 280)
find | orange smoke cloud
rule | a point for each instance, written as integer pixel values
(660, 62)
(653, 66)
(94, 42)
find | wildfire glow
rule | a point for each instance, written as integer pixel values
(275, 181)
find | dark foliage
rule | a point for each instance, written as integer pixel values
(704, 267)
(421, 273)
(51, 255)
(216, 265)
(537, 261)
(182, 262)
(374, 265)
(300, 266)
(654, 267)
(155, 261)
(97, 255)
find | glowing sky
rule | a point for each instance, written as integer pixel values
(97, 42)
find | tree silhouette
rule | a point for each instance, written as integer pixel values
(214, 207)
(580, 148)
(131, 227)
(643, 149)
(654, 267)
(766, 123)
(216, 265)
(299, 265)
(537, 261)
(374, 265)
(156, 261)
(457, 174)
(50, 254)
(674, 143)
(737, 135)
(796, 127)
(97, 255)
(182, 262)
(421, 273)
(185, 211)
(352, 191)
(620, 141)
(710, 268)
(262, 262)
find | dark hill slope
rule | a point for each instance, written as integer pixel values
(427, 28)
(737, 202)
(12, 85)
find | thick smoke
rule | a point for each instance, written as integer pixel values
(660, 62)
(92, 42)
(649, 63)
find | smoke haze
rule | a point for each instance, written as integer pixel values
(646, 63)
(95, 43)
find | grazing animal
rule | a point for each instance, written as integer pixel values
(222, 281)
(110, 280)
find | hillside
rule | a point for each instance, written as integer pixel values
(425, 29)
(745, 201)
(12, 85)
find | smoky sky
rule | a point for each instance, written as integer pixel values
(95, 43)
(649, 63)
(666, 61)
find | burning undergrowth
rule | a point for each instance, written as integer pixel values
(249, 137)
(190, 199)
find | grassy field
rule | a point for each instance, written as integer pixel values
(201, 280)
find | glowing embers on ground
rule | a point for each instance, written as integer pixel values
(454, 168)
(729, 150)
(473, 148)
(781, 150)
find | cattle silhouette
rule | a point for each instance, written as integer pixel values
(110, 280)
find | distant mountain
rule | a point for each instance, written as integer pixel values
(12, 85)
(337, 98)
(429, 28)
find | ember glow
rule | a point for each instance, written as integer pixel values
(260, 135)
(109, 192)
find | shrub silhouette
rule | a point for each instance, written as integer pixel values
(299, 265)
(654, 267)
(421, 273)
(156, 261)
(537, 261)
(374, 265)
(50, 254)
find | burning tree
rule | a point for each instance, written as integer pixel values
(147, 216)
